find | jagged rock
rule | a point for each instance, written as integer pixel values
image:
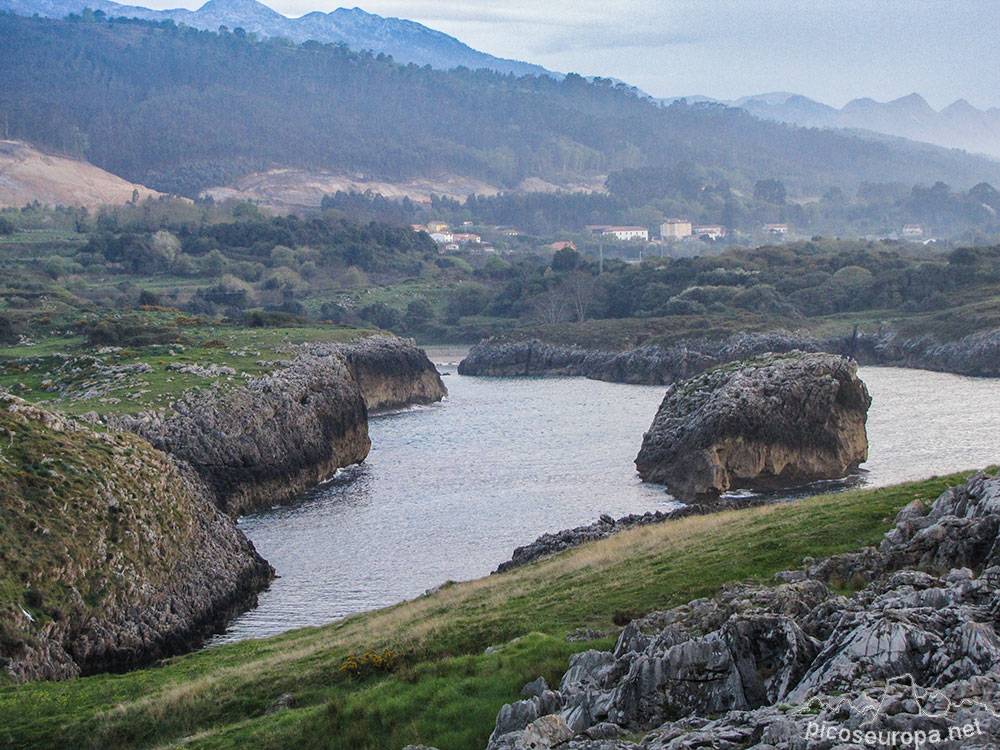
(516, 717)
(541, 734)
(535, 687)
(794, 667)
(778, 421)
(115, 554)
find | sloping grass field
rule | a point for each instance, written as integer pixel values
(445, 687)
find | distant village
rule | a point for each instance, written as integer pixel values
(677, 237)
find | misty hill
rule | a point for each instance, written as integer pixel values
(406, 41)
(959, 125)
(180, 109)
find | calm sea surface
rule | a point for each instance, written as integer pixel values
(449, 490)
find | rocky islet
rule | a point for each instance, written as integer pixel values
(780, 420)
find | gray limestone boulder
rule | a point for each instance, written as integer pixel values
(778, 421)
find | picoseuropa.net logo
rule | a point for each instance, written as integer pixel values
(871, 705)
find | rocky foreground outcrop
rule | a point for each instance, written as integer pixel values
(112, 554)
(763, 424)
(915, 651)
(976, 354)
(265, 442)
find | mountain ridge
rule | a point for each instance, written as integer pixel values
(406, 41)
(958, 125)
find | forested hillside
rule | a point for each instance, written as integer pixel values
(180, 109)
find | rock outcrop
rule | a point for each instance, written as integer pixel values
(112, 554)
(391, 372)
(777, 421)
(976, 354)
(260, 444)
(916, 651)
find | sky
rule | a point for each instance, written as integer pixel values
(829, 50)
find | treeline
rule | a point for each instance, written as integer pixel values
(648, 196)
(181, 109)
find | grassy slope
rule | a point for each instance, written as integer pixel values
(448, 690)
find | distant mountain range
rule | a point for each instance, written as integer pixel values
(406, 41)
(959, 125)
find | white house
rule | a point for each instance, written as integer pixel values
(776, 228)
(442, 238)
(627, 233)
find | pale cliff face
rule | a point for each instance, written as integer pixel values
(778, 421)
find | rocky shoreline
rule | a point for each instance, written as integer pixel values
(555, 542)
(127, 552)
(977, 354)
(261, 444)
(914, 650)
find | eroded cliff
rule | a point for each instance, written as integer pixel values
(975, 354)
(260, 444)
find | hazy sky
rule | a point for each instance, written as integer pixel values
(831, 50)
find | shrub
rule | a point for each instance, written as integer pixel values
(272, 319)
(370, 662)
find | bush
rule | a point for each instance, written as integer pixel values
(370, 662)
(148, 299)
(128, 332)
(7, 226)
(382, 316)
(468, 299)
(272, 319)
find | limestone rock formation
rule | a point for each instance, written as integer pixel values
(777, 421)
(258, 444)
(391, 372)
(262, 443)
(917, 650)
(112, 554)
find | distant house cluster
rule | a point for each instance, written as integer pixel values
(449, 241)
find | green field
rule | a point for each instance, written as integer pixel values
(59, 369)
(446, 689)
